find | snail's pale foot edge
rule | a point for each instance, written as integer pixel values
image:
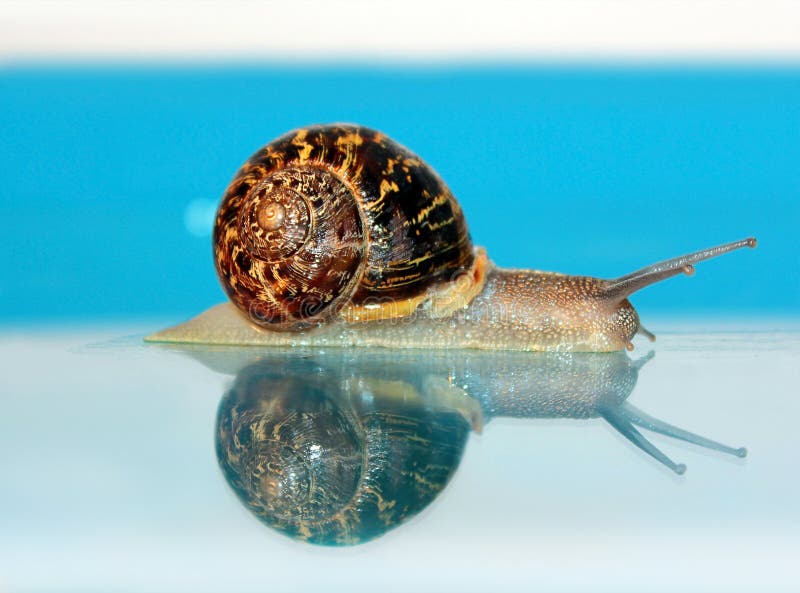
(224, 325)
(220, 325)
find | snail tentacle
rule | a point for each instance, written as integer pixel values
(623, 287)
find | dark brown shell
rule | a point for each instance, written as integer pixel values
(333, 215)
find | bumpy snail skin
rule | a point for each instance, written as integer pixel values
(338, 236)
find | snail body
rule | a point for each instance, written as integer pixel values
(336, 235)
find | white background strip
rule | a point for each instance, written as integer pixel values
(399, 30)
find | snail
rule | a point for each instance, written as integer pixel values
(336, 235)
(334, 448)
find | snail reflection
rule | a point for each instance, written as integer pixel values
(335, 458)
(339, 447)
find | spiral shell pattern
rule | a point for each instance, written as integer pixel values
(333, 215)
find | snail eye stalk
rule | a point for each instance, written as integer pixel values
(621, 288)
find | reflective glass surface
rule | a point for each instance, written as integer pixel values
(133, 467)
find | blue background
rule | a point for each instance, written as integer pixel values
(582, 170)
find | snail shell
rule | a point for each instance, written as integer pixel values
(325, 464)
(330, 216)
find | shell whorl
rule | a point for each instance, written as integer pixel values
(328, 216)
(299, 245)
